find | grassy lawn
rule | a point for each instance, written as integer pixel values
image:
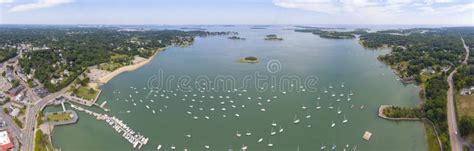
(431, 138)
(111, 66)
(464, 105)
(86, 93)
(58, 116)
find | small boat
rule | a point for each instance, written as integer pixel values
(303, 107)
(237, 115)
(333, 94)
(308, 115)
(323, 147)
(206, 117)
(345, 120)
(273, 123)
(244, 147)
(325, 91)
(330, 106)
(248, 133)
(318, 106)
(207, 146)
(333, 147)
(362, 107)
(280, 130)
(333, 124)
(270, 143)
(339, 110)
(262, 109)
(260, 140)
(188, 135)
(296, 120)
(159, 147)
(272, 132)
(238, 134)
(173, 147)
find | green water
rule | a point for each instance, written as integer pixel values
(301, 54)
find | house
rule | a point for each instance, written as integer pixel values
(429, 70)
(6, 142)
(465, 91)
(20, 97)
(15, 112)
(15, 90)
(445, 68)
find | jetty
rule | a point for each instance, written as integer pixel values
(136, 139)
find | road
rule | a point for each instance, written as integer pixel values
(454, 138)
(31, 116)
(11, 126)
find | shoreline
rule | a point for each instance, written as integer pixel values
(109, 76)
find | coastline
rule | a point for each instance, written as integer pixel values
(109, 76)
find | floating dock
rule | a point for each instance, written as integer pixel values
(135, 139)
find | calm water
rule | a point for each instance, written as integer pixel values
(333, 62)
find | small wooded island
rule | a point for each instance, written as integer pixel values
(249, 59)
(273, 37)
(236, 38)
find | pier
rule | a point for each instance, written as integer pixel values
(136, 139)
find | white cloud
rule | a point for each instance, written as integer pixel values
(38, 5)
(377, 7)
(6, 1)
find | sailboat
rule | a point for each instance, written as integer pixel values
(333, 124)
(272, 132)
(295, 120)
(330, 106)
(345, 120)
(339, 110)
(248, 133)
(308, 115)
(270, 143)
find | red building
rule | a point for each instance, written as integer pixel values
(6, 141)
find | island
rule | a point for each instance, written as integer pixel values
(273, 37)
(249, 59)
(236, 38)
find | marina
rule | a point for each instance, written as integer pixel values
(135, 139)
(252, 118)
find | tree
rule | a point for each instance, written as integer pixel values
(466, 125)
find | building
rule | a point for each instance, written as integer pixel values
(465, 91)
(15, 90)
(6, 142)
(15, 112)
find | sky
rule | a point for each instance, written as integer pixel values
(181, 12)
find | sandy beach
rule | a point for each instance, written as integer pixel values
(105, 76)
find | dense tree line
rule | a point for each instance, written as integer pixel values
(55, 49)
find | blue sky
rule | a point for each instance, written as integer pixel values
(453, 12)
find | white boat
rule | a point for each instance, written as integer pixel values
(325, 91)
(274, 124)
(159, 147)
(318, 106)
(260, 140)
(330, 106)
(270, 143)
(339, 110)
(207, 146)
(153, 111)
(333, 147)
(319, 98)
(237, 115)
(338, 100)
(244, 147)
(206, 117)
(333, 124)
(188, 112)
(272, 132)
(248, 133)
(323, 147)
(173, 147)
(303, 107)
(238, 134)
(188, 135)
(280, 130)
(296, 120)
(262, 109)
(333, 94)
(345, 120)
(308, 115)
